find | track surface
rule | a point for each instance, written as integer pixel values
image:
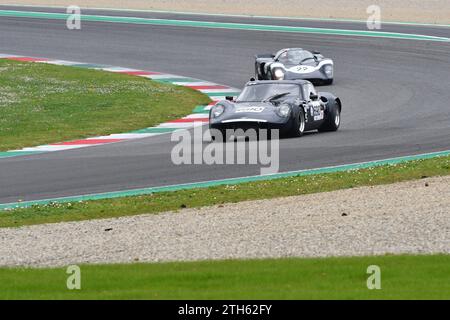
(395, 92)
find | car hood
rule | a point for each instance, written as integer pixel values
(250, 111)
(251, 108)
(311, 63)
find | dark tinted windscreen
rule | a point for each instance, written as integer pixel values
(295, 56)
(260, 92)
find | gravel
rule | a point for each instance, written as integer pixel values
(411, 217)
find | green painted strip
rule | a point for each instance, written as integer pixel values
(200, 109)
(88, 65)
(411, 23)
(223, 25)
(232, 181)
(18, 153)
(155, 130)
(172, 80)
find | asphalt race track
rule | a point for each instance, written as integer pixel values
(395, 97)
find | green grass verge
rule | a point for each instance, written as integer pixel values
(41, 103)
(402, 277)
(159, 202)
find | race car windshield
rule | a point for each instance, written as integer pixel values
(261, 92)
(295, 56)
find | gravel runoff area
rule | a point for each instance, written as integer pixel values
(426, 11)
(411, 217)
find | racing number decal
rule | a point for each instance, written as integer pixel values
(317, 111)
(302, 69)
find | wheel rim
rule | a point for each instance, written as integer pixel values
(337, 119)
(301, 128)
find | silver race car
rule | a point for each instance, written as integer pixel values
(291, 106)
(295, 64)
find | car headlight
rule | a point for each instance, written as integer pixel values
(218, 110)
(284, 110)
(278, 74)
(328, 70)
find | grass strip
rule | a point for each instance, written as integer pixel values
(42, 103)
(402, 277)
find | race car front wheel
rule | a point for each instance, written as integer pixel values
(298, 128)
(219, 135)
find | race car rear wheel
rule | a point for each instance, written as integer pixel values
(333, 118)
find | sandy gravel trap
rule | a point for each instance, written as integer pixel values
(412, 217)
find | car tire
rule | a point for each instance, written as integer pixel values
(299, 125)
(333, 118)
(216, 138)
(257, 76)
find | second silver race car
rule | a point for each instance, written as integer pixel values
(295, 64)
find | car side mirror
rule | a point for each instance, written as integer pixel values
(252, 79)
(313, 97)
(316, 52)
(229, 98)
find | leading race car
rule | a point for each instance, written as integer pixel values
(294, 64)
(292, 106)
